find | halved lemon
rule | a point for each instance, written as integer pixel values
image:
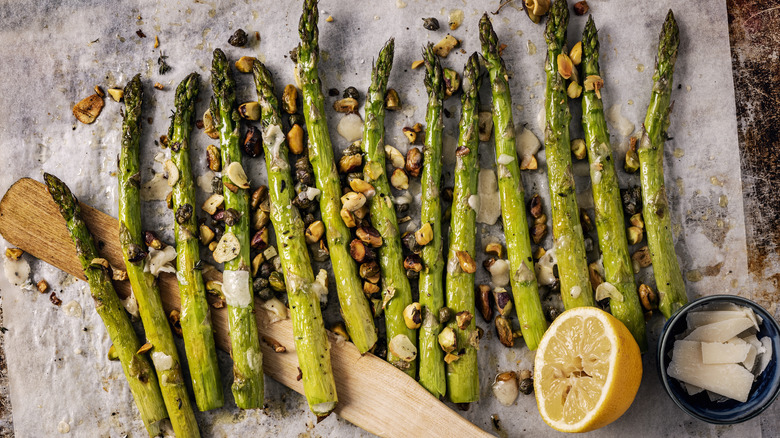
(587, 370)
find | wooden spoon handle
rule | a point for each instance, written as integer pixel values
(373, 394)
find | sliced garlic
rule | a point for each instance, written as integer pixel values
(395, 157)
(227, 249)
(608, 290)
(237, 175)
(402, 347)
(212, 203)
(172, 171)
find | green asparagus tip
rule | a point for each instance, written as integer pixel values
(434, 82)
(186, 93)
(187, 89)
(133, 94)
(471, 77)
(557, 22)
(221, 78)
(263, 77)
(61, 195)
(383, 65)
(669, 42)
(487, 36)
(590, 42)
(307, 29)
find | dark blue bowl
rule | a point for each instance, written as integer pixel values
(764, 391)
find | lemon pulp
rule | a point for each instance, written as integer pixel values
(576, 369)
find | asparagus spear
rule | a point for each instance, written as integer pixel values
(432, 375)
(462, 374)
(144, 284)
(655, 210)
(195, 315)
(512, 194)
(237, 279)
(354, 305)
(610, 223)
(395, 284)
(311, 340)
(570, 247)
(136, 366)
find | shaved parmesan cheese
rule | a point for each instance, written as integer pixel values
(162, 361)
(716, 352)
(720, 331)
(474, 202)
(527, 143)
(320, 286)
(131, 305)
(499, 273)
(17, 271)
(160, 261)
(235, 288)
(489, 202)
(312, 193)
(730, 380)
(621, 124)
(156, 189)
(505, 159)
(274, 137)
(720, 352)
(766, 356)
(277, 311)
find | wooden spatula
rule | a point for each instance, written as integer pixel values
(373, 394)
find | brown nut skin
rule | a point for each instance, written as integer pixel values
(370, 288)
(535, 205)
(585, 220)
(290, 99)
(538, 232)
(413, 262)
(414, 162)
(213, 159)
(350, 163)
(369, 270)
(259, 196)
(484, 302)
(259, 241)
(648, 297)
(413, 316)
(503, 301)
(494, 249)
(642, 257)
(594, 276)
(253, 142)
(360, 252)
(504, 331)
(151, 240)
(369, 235)
(463, 319)
(581, 8)
(346, 105)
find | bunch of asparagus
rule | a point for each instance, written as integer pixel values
(161, 393)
